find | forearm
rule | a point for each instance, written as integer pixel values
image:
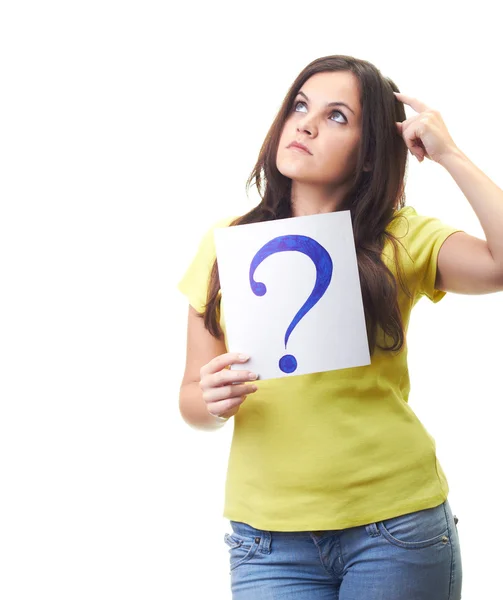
(485, 197)
(193, 408)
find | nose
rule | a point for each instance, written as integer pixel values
(307, 127)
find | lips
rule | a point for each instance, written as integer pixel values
(299, 146)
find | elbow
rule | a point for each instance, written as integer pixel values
(182, 403)
(185, 406)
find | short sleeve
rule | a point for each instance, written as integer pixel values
(424, 238)
(195, 281)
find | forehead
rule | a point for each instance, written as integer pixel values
(336, 86)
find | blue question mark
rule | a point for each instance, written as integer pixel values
(324, 267)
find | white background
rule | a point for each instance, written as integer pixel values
(126, 130)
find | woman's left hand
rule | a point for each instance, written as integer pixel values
(425, 134)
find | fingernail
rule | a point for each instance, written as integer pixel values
(252, 376)
(243, 357)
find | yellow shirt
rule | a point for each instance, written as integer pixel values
(341, 448)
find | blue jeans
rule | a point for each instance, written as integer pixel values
(409, 557)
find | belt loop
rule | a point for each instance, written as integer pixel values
(265, 542)
(372, 530)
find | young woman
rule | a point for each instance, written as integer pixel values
(333, 486)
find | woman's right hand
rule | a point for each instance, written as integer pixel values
(222, 398)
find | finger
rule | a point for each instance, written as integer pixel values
(407, 122)
(225, 393)
(227, 376)
(412, 138)
(220, 362)
(409, 135)
(220, 409)
(414, 103)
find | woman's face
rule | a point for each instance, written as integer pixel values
(331, 133)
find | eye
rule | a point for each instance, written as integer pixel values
(297, 102)
(342, 115)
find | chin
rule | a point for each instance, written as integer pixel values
(297, 175)
(292, 171)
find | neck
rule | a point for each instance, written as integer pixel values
(308, 199)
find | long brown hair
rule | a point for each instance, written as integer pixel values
(372, 198)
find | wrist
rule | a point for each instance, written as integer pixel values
(452, 156)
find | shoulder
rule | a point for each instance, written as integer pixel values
(207, 239)
(420, 238)
(222, 222)
(225, 221)
(194, 283)
(402, 220)
(416, 229)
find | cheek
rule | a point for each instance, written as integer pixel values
(284, 139)
(287, 129)
(343, 149)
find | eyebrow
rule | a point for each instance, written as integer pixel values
(330, 103)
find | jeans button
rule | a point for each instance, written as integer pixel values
(257, 540)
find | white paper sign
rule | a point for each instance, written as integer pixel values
(291, 295)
